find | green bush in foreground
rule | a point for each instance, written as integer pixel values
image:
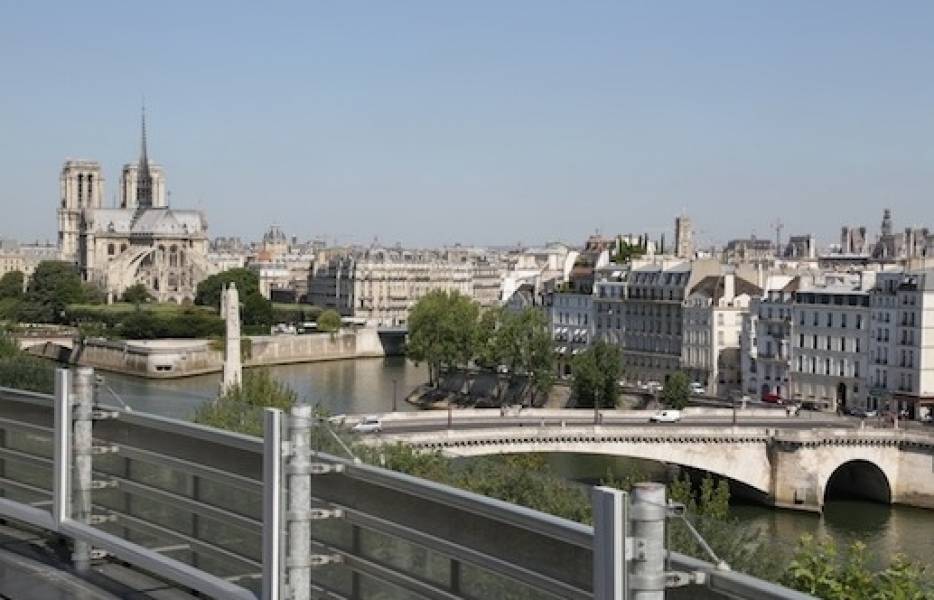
(240, 408)
(21, 371)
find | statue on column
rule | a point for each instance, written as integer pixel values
(230, 310)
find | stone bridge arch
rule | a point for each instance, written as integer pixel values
(861, 479)
(743, 459)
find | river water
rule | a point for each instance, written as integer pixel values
(366, 385)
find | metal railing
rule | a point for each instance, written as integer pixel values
(234, 516)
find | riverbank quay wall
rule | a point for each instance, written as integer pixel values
(788, 468)
(169, 359)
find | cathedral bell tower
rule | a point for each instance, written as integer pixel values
(81, 187)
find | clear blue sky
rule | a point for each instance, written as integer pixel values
(476, 121)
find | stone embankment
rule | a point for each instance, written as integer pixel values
(167, 359)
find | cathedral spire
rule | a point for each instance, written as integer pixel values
(143, 176)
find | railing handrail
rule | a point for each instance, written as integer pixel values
(533, 521)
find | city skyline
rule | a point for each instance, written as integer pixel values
(525, 123)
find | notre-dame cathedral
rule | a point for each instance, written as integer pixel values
(142, 241)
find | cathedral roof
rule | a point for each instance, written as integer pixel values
(153, 221)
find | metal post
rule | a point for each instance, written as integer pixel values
(450, 414)
(394, 395)
(83, 408)
(272, 507)
(298, 566)
(61, 486)
(647, 569)
(609, 544)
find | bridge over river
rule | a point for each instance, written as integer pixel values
(790, 462)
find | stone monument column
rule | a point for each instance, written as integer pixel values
(230, 309)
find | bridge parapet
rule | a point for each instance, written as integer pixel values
(854, 437)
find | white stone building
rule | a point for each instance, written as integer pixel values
(901, 343)
(381, 285)
(712, 321)
(830, 340)
(765, 339)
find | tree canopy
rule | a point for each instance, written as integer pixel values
(677, 391)
(11, 285)
(448, 330)
(329, 321)
(257, 310)
(209, 290)
(53, 286)
(436, 329)
(137, 294)
(595, 373)
(240, 408)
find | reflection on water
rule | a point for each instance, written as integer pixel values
(340, 386)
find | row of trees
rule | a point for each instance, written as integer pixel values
(449, 331)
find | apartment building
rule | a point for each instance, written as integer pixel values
(830, 340)
(713, 317)
(901, 343)
(380, 286)
(765, 339)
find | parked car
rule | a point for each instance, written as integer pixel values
(368, 424)
(772, 399)
(666, 416)
(697, 389)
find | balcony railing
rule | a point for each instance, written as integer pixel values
(238, 517)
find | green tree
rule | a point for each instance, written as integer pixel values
(11, 285)
(439, 331)
(625, 252)
(241, 408)
(53, 286)
(93, 293)
(329, 321)
(209, 290)
(677, 391)
(137, 294)
(485, 345)
(524, 346)
(595, 374)
(257, 310)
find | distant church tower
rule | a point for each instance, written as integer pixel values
(82, 186)
(684, 237)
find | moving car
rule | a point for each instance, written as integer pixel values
(368, 424)
(666, 416)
